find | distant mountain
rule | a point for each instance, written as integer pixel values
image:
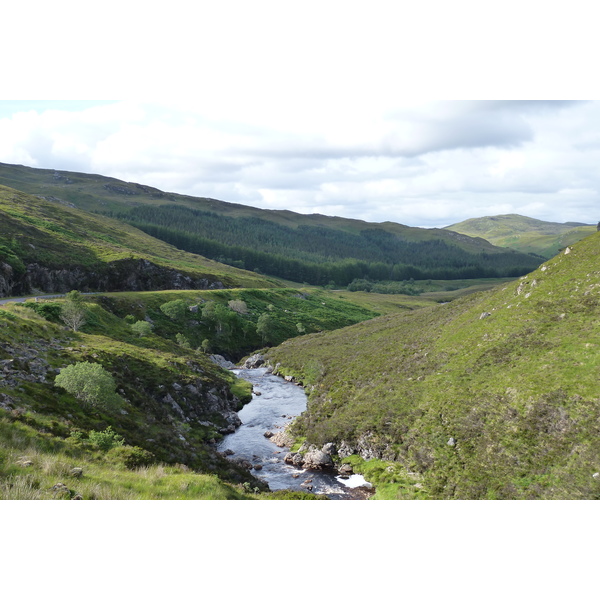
(524, 233)
(315, 249)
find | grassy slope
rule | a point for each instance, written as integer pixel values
(98, 193)
(517, 390)
(36, 418)
(524, 233)
(59, 236)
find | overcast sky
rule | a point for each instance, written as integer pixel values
(313, 109)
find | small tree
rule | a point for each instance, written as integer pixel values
(142, 328)
(218, 316)
(265, 327)
(90, 383)
(107, 439)
(183, 341)
(72, 312)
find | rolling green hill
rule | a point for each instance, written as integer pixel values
(312, 249)
(50, 247)
(524, 233)
(492, 396)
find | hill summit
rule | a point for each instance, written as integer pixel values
(313, 249)
(524, 233)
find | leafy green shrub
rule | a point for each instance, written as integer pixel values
(51, 311)
(132, 457)
(176, 309)
(105, 440)
(90, 383)
(142, 328)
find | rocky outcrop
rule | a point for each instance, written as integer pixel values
(310, 457)
(222, 361)
(254, 362)
(7, 279)
(128, 274)
(367, 446)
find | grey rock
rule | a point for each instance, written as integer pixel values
(345, 469)
(254, 362)
(329, 448)
(317, 459)
(221, 361)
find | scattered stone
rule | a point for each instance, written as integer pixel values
(268, 434)
(60, 489)
(242, 462)
(76, 472)
(485, 315)
(451, 442)
(596, 475)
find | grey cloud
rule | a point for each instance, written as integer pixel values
(528, 106)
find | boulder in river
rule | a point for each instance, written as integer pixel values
(317, 459)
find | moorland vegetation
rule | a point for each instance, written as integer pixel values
(437, 384)
(491, 396)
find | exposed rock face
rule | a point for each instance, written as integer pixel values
(7, 279)
(128, 274)
(254, 362)
(367, 446)
(221, 361)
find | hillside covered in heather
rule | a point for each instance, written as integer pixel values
(492, 396)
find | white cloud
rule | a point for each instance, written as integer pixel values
(417, 163)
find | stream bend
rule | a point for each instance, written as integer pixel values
(275, 402)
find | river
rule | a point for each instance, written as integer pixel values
(275, 402)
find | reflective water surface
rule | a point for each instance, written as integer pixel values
(275, 402)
